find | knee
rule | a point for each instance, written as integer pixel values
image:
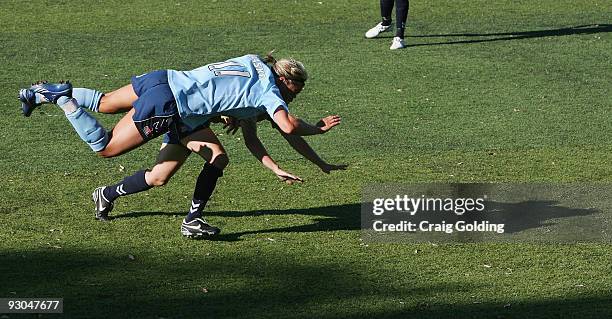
(220, 161)
(157, 180)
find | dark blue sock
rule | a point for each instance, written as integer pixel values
(205, 185)
(386, 7)
(129, 185)
(401, 15)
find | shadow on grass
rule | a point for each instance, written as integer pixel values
(533, 214)
(517, 217)
(106, 284)
(518, 35)
(330, 218)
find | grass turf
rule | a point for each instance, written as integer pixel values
(504, 91)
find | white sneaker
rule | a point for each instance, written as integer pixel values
(398, 43)
(376, 30)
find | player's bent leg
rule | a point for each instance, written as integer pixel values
(104, 197)
(43, 92)
(170, 159)
(86, 126)
(118, 101)
(124, 137)
(205, 143)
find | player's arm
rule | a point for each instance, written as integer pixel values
(254, 145)
(290, 124)
(300, 145)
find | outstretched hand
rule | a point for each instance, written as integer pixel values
(327, 168)
(287, 177)
(327, 123)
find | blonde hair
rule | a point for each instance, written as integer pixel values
(288, 68)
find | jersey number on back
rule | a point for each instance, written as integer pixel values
(229, 68)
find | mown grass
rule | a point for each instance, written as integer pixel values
(504, 91)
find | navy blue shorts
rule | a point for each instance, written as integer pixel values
(155, 109)
(156, 112)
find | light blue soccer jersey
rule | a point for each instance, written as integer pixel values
(241, 87)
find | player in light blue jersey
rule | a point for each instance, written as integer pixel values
(182, 104)
(242, 87)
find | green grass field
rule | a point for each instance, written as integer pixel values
(487, 91)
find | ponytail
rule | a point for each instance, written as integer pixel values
(288, 68)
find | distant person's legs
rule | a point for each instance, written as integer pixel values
(401, 16)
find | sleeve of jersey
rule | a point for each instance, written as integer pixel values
(272, 101)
